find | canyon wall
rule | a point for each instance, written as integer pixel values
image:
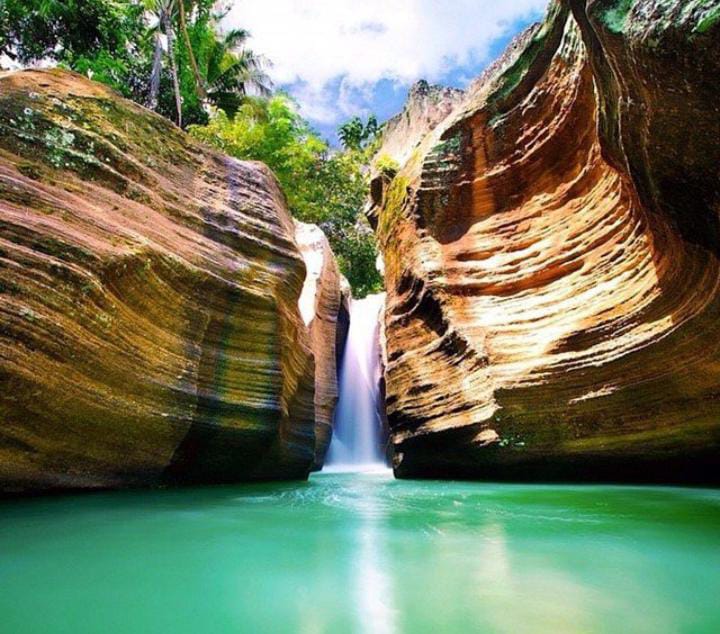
(551, 257)
(427, 106)
(325, 309)
(150, 330)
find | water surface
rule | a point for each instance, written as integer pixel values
(363, 553)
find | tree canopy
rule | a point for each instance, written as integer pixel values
(167, 54)
(355, 135)
(322, 186)
(172, 56)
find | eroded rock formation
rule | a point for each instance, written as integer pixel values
(427, 105)
(551, 256)
(150, 330)
(324, 305)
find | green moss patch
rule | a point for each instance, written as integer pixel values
(395, 198)
(708, 21)
(532, 60)
(614, 16)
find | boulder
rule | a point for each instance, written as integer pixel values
(149, 324)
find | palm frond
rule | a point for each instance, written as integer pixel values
(235, 38)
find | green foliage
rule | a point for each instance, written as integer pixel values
(387, 165)
(64, 30)
(114, 42)
(99, 38)
(614, 15)
(323, 187)
(356, 135)
(356, 253)
(127, 75)
(711, 19)
(228, 69)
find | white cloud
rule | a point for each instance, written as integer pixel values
(335, 51)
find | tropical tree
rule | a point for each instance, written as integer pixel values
(372, 128)
(167, 54)
(65, 30)
(215, 69)
(199, 81)
(163, 11)
(355, 135)
(351, 133)
(233, 71)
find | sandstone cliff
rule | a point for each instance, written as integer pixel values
(324, 305)
(551, 255)
(150, 330)
(427, 106)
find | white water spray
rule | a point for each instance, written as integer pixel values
(357, 432)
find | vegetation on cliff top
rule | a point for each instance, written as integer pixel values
(322, 186)
(168, 55)
(172, 56)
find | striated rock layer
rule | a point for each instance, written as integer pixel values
(551, 255)
(324, 305)
(427, 106)
(149, 322)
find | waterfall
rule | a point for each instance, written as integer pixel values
(357, 431)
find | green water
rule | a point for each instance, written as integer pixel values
(363, 553)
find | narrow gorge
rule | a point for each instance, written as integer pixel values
(550, 245)
(449, 369)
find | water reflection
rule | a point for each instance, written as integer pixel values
(510, 594)
(374, 599)
(363, 553)
(493, 558)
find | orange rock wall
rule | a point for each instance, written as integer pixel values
(551, 259)
(149, 322)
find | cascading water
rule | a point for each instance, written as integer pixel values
(357, 433)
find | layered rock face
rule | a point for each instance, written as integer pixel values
(551, 254)
(150, 330)
(325, 308)
(427, 106)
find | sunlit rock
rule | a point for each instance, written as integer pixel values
(149, 322)
(324, 305)
(427, 105)
(551, 258)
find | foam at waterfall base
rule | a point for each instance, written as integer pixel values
(374, 467)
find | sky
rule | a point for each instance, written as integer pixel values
(340, 58)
